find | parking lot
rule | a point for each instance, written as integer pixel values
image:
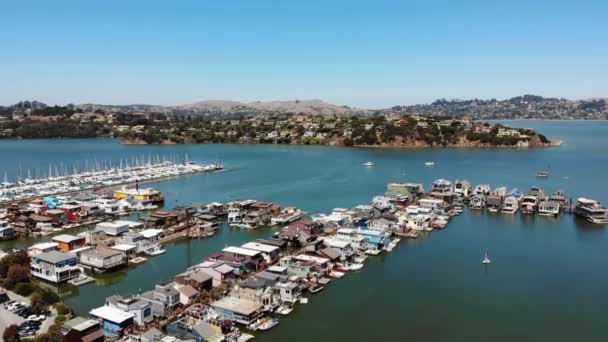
(8, 318)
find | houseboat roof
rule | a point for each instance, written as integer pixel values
(346, 230)
(187, 291)
(277, 269)
(260, 247)
(111, 314)
(54, 257)
(224, 269)
(54, 212)
(81, 249)
(587, 201)
(430, 200)
(80, 323)
(102, 252)
(66, 238)
(370, 232)
(273, 242)
(123, 247)
(44, 245)
(336, 243)
(41, 218)
(311, 258)
(131, 224)
(148, 233)
(241, 306)
(70, 206)
(241, 251)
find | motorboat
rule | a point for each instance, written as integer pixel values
(429, 164)
(368, 164)
(284, 310)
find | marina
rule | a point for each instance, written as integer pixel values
(96, 176)
(268, 277)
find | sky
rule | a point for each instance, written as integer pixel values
(369, 54)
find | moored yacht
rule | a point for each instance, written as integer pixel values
(591, 210)
(529, 205)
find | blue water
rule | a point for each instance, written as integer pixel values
(547, 280)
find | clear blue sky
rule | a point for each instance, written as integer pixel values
(361, 53)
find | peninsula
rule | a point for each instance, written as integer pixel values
(320, 124)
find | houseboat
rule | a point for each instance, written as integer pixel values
(511, 202)
(477, 202)
(482, 189)
(494, 199)
(463, 188)
(147, 196)
(548, 208)
(287, 215)
(55, 266)
(536, 192)
(529, 205)
(559, 196)
(591, 210)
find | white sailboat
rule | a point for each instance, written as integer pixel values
(486, 258)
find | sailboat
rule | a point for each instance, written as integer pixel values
(486, 258)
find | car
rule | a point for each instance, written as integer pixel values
(24, 312)
(9, 303)
(14, 306)
(41, 318)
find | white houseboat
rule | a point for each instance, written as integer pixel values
(591, 210)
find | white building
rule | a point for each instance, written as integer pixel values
(55, 266)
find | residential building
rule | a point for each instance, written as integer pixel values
(114, 322)
(55, 266)
(79, 329)
(68, 242)
(141, 309)
(102, 259)
(164, 299)
(239, 310)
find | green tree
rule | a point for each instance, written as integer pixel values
(24, 289)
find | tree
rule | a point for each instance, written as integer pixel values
(18, 258)
(38, 305)
(24, 289)
(11, 334)
(17, 274)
